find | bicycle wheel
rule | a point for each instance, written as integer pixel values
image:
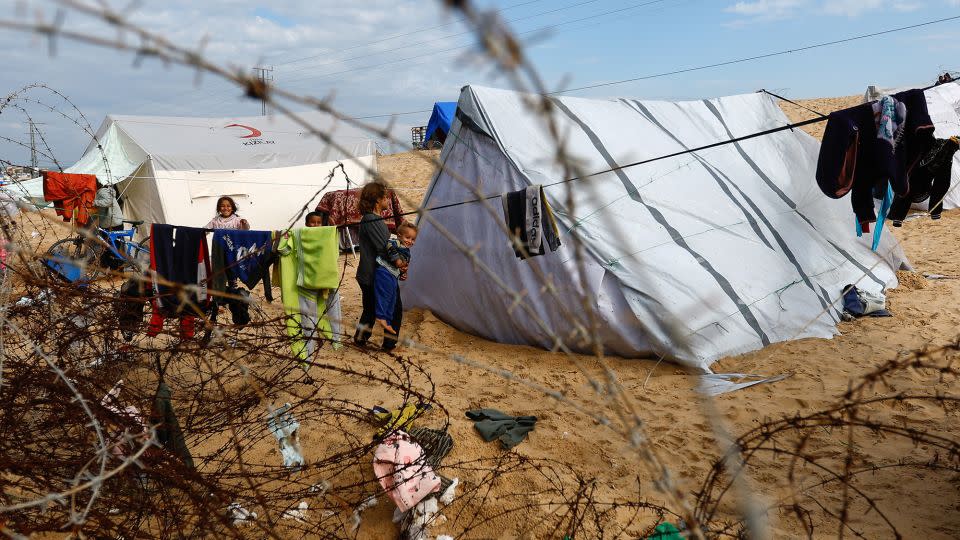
(138, 256)
(74, 259)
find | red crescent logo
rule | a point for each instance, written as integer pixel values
(254, 132)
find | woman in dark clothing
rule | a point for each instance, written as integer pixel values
(373, 243)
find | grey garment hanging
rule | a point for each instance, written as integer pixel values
(164, 419)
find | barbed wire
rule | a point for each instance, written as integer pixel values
(83, 455)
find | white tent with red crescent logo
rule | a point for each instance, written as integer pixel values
(173, 169)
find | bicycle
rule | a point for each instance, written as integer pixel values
(82, 258)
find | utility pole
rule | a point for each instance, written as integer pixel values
(33, 147)
(265, 74)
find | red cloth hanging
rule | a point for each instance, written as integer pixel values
(72, 194)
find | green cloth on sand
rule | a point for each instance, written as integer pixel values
(493, 424)
(666, 531)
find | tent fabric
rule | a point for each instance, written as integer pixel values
(694, 257)
(441, 118)
(173, 169)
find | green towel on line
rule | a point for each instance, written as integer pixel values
(493, 424)
(317, 252)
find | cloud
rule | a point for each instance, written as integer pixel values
(771, 10)
(240, 35)
(766, 9)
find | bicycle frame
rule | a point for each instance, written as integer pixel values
(125, 237)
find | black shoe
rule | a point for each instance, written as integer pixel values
(934, 216)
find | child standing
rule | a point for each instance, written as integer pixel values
(373, 244)
(227, 217)
(387, 276)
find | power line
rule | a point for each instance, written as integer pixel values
(759, 57)
(264, 75)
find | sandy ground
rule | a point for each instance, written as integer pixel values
(925, 314)
(921, 503)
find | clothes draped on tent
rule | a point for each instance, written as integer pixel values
(72, 194)
(868, 146)
(930, 180)
(179, 257)
(341, 208)
(528, 215)
(309, 279)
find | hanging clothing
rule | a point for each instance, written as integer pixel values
(244, 256)
(890, 118)
(109, 213)
(493, 424)
(400, 466)
(132, 301)
(529, 216)
(169, 434)
(72, 194)
(341, 208)
(918, 136)
(308, 256)
(317, 255)
(178, 255)
(930, 178)
(233, 222)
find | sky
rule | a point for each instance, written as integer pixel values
(378, 57)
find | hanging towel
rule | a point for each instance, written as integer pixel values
(164, 418)
(72, 194)
(305, 308)
(242, 255)
(528, 215)
(493, 424)
(317, 254)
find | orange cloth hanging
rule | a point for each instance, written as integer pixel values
(72, 194)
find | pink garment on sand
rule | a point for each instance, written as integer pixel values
(402, 470)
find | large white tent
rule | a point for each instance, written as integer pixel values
(173, 169)
(693, 257)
